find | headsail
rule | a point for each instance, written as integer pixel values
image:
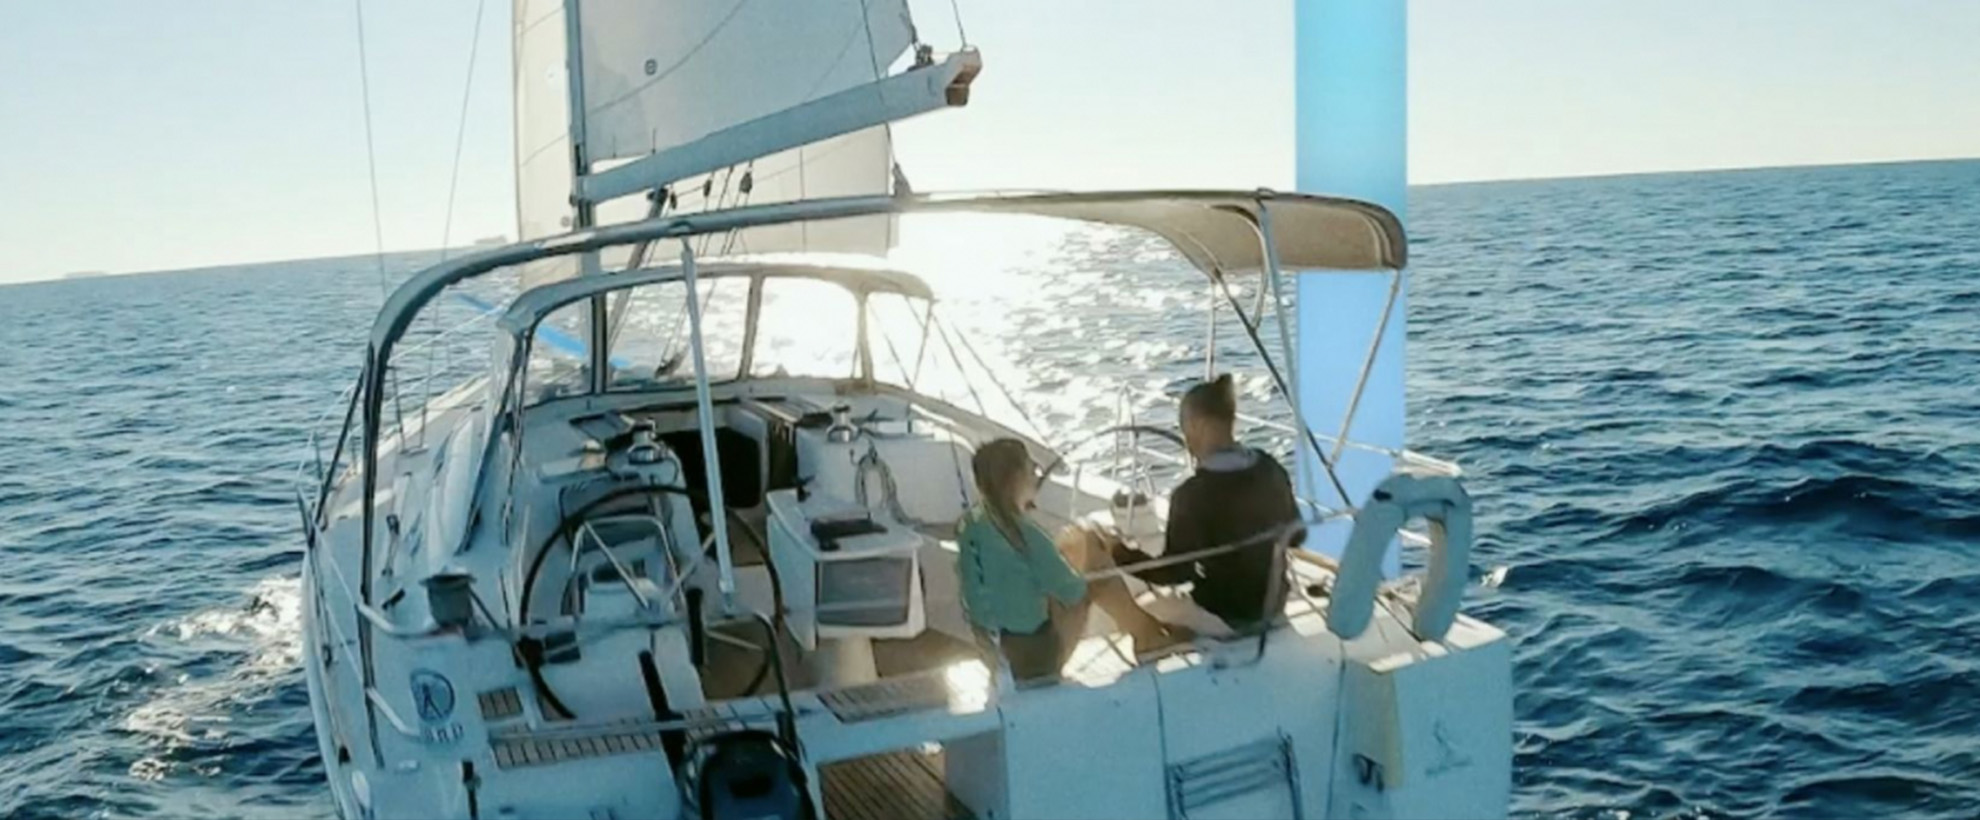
(544, 173)
(661, 79)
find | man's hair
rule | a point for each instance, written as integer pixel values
(1214, 399)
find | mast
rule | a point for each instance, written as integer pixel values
(599, 323)
(794, 99)
(1350, 121)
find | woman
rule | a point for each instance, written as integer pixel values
(1017, 588)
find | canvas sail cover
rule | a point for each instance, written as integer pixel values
(661, 73)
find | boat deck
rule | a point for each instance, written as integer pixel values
(902, 785)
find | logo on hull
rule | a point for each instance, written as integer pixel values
(1448, 757)
(433, 696)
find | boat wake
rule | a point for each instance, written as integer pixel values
(187, 721)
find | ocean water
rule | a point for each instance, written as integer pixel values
(1720, 428)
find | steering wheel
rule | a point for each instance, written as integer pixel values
(567, 532)
(1136, 458)
(1128, 496)
(1134, 431)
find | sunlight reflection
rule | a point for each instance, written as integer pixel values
(965, 257)
(1079, 321)
(194, 712)
(808, 328)
(969, 686)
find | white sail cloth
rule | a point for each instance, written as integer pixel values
(542, 122)
(661, 73)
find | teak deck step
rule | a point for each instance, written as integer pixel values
(888, 697)
(903, 785)
(542, 749)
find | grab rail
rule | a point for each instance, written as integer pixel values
(1430, 464)
(314, 436)
(399, 724)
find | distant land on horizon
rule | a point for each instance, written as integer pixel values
(364, 258)
(492, 241)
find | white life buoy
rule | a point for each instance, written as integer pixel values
(1399, 498)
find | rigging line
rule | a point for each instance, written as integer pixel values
(460, 133)
(742, 198)
(728, 175)
(956, 6)
(998, 383)
(707, 205)
(872, 49)
(892, 353)
(370, 149)
(680, 321)
(1251, 331)
(640, 252)
(839, 143)
(453, 188)
(885, 127)
(981, 408)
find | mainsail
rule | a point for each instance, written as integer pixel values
(657, 75)
(660, 73)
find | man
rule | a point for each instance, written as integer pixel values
(1238, 495)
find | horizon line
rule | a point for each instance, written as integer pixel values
(100, 274)
(1719, 169)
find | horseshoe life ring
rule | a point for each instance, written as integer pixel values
(1399, 498)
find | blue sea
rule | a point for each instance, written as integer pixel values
(1723, 432)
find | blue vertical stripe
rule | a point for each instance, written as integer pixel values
(1351, 129)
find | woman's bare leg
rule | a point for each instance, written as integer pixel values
(1086, 554)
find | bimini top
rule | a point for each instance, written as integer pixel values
(1218, 231)
(852, 274)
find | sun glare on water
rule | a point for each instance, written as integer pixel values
(1069, 315)
(965, 257)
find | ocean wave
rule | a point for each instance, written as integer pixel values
(1868, 793)
(1719, 437)
(1856, 497)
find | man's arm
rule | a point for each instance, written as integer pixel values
(1291, 504)
(1184, 536)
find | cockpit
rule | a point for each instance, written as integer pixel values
(825, 492)
(842, 474)
(683, 494)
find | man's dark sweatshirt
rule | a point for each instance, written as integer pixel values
(1238, 494)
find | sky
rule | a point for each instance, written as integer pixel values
(137, 135)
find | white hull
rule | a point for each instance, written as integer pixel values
(1384, 725)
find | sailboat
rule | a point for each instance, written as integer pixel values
(686, 546)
